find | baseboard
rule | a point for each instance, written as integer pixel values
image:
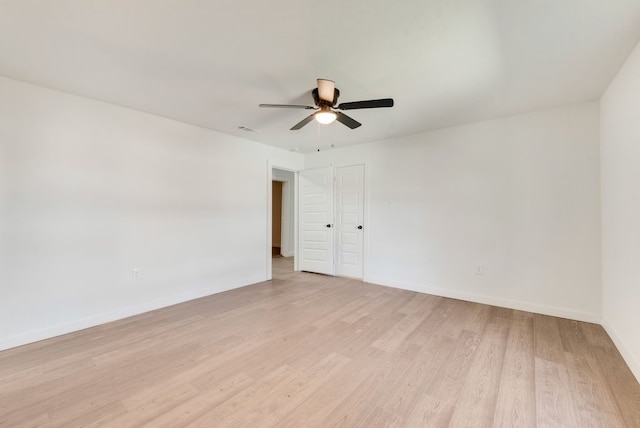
(627, 355)
(287, 253)
(76, 325)
(491, 300)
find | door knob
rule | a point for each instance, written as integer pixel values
(328, 225)
(360, 227)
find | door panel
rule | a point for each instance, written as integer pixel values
(350, 214)
(316, 221)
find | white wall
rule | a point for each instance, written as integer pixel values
(90, 191)
(518, 196)
(620, 152)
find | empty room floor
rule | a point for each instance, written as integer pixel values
(318, 351)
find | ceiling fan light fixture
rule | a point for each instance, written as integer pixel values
(327, 109)
(325, 116)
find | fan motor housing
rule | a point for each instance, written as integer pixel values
(319, 102)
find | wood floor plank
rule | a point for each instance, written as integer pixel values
(330, 394)
(228, 413)
(596, 336)
(397, 334)
(143, 405)
(547, 341)
(30, 421)
(598, 408)
(86, 412)
(554, 400)
(516, 402)
(437, 322)
(276, 406)
(618, 378)
(476, 402)
(398, 400)
(420, 303)
(437, 404)
(476, 317)
(182, 413)
(306, 350)
(573, 339)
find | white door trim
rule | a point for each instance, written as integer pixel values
(270, 168)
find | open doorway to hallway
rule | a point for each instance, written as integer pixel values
(282, 220)
(276, 218)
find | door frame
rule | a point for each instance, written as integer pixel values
(367, 197)
(270, 168)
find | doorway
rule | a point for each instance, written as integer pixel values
(276, 218)
(282, 221)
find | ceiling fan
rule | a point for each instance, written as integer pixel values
(325, 97)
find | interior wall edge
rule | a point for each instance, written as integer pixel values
(491, 300)
(627, 355)
(107, 317)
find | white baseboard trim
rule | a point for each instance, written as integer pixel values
(286, 253)
(491, 300)
(81, 324)
(627, 355)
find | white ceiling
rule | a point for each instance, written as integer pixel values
(210, 63)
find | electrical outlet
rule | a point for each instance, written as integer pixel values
(479, 269)
(135, 273)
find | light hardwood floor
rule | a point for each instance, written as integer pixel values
(308, 350)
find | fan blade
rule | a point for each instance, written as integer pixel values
(326, 89)
(286, 106)
(346, 120)
(303, 122)
(384, 102)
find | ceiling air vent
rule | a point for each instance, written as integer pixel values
(246, 129)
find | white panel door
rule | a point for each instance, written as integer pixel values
(316, 221)
(349, 221)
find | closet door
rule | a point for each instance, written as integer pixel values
(349, 221)
(316, 221)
